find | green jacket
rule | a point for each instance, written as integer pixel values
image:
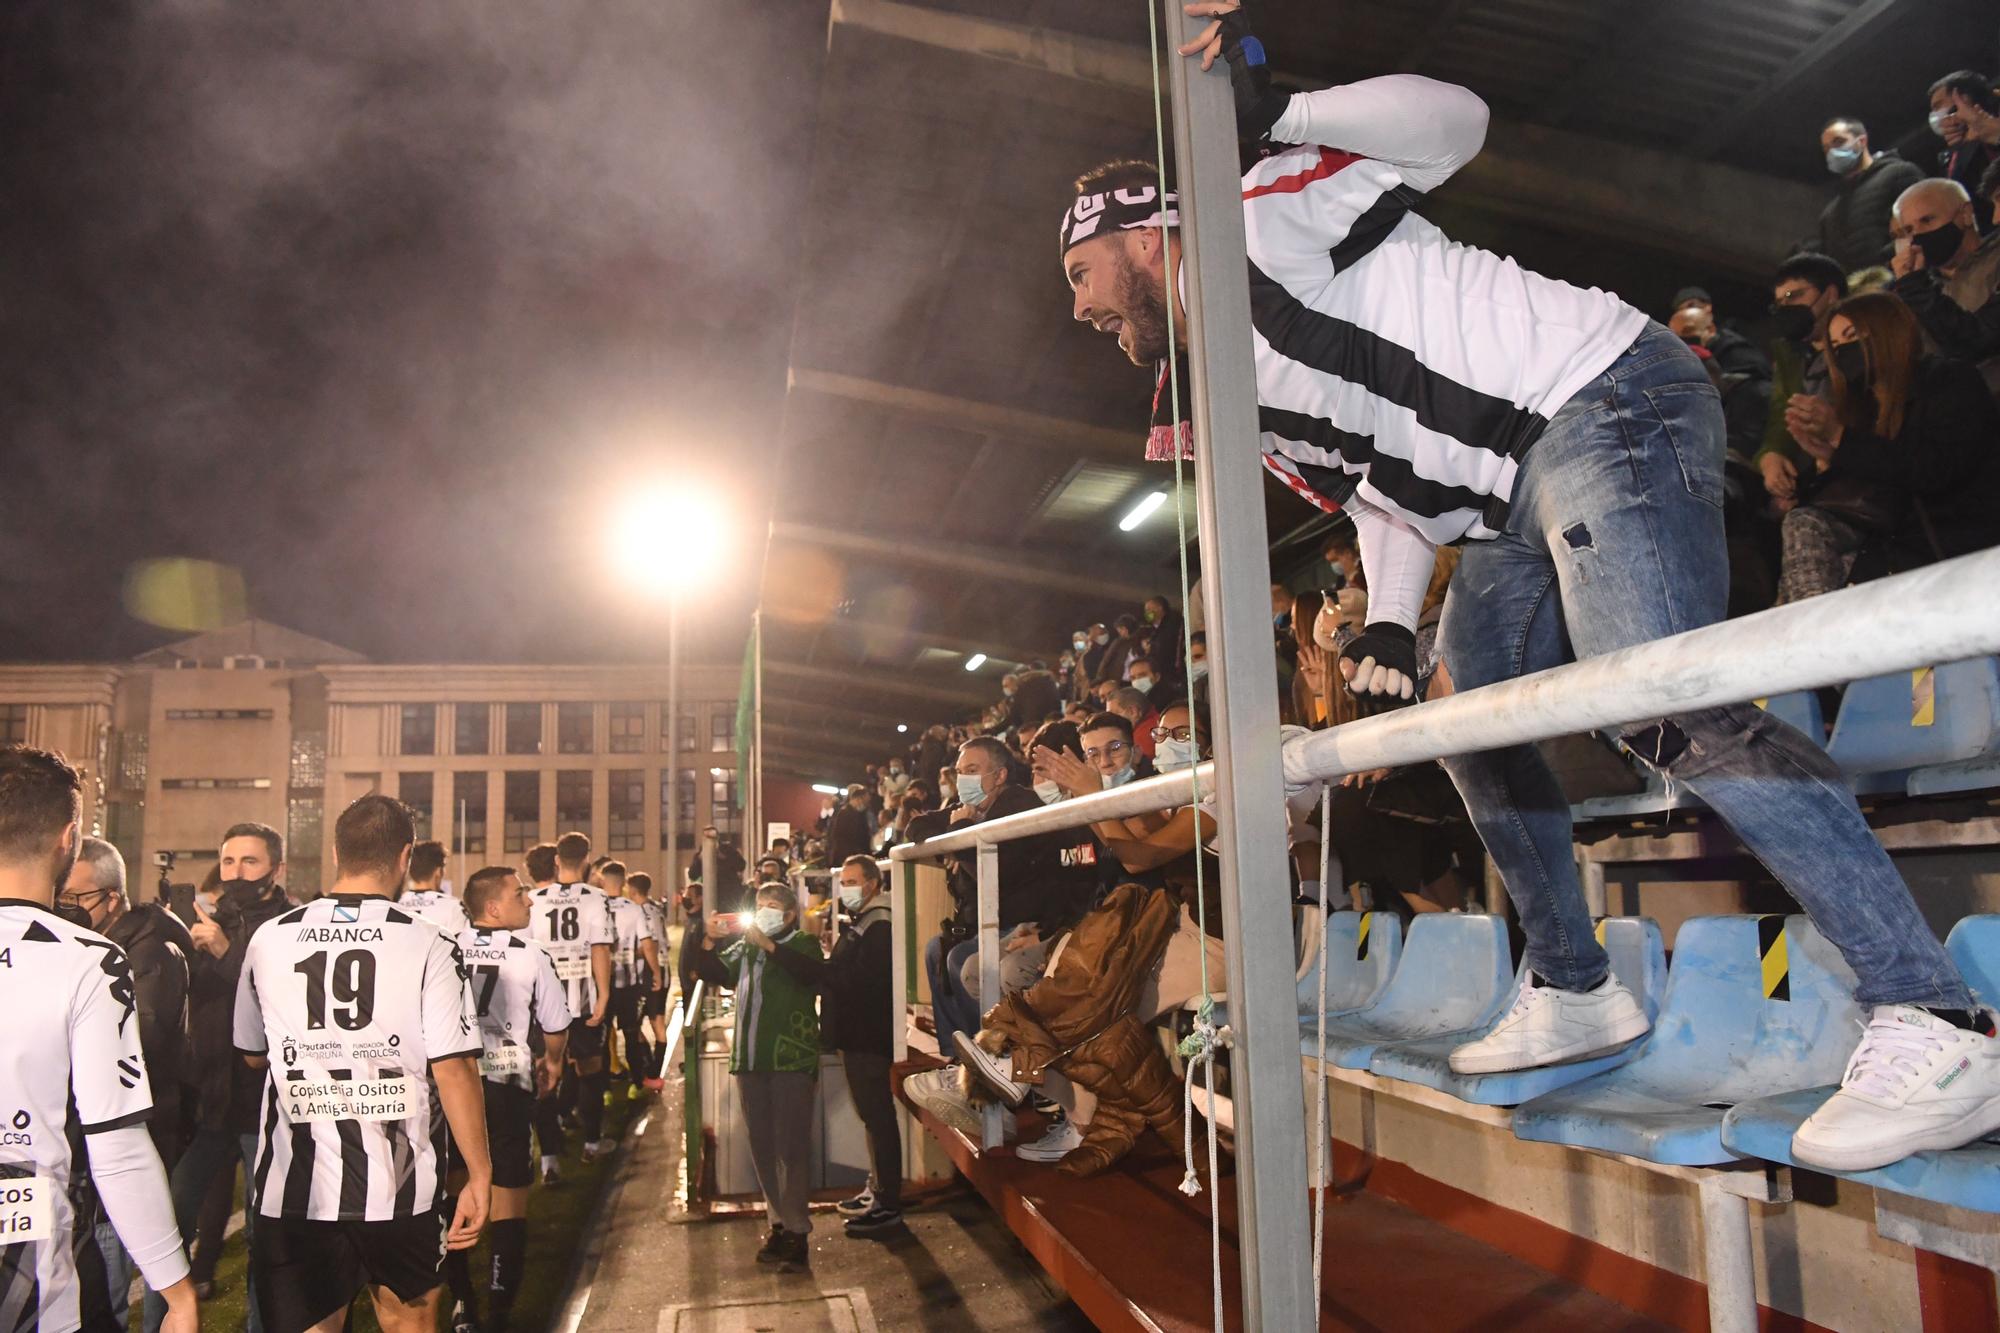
(777, 1017)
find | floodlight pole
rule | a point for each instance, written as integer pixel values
(1272, 1219)
(672, 801)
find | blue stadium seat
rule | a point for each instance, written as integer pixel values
(1753, 1005)
(1637, 959)
(1362, 951)
(1456, 973)
(1801, 709)
(1966, 1178)
(1889, 725)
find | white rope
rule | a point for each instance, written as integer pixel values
(1319, 1069)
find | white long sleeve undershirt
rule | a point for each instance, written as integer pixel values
(1397, 560)
(1428, 128)
(133, 1186)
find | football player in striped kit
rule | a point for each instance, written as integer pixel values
(639, 888)
(74, 1141)
(362, 1015)
(425, 896)
(572, 921)
(1436, 392)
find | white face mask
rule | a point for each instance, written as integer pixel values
(1143, 684)
(1120, 778)
(1197, 671)
(1171, 755)
(1049, 792)
(770, 920)
(971, 789)
(850, 898)
(1103, 639)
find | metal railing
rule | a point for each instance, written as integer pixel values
(1943, 613)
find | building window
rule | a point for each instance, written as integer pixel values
(308, 759)
(628, 728)
(468, 805)
(524, 728)
(684, 835)
(683, 731)
(721, 731)
(215, 784)
(573, 800)
(574, 724)
(420, 729)
(218, 715)
(13, 724)
(417, 791)
(523, 811)
(471, 728)
(305, 818)
(130, 749)
(724, 810)
(628, 810)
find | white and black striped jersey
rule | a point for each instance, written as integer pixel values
(69, 1066)
(352, 1000)
(437, 907)
(516, 993)
(628, 924)
(656, 927)
(1395, 366)
(568, 919)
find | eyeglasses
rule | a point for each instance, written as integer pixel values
(1166, 733)
(1106, 751)
(78, 899)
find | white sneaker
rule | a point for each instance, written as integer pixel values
(1547, 1026)
(1914, 1083)
(1054, 1145)
(597, 1148)
(936, 1091)
(994, 1073)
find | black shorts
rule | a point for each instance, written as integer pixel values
(586, 1042)
(510, 1114)
(655, 1005)
(305, 1271)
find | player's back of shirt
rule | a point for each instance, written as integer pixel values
(656, 927)
(628, 924)
(568, 919)
(437, 907)
(515, 991)
(351, 999)
(70, 1066)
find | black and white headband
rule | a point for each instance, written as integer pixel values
(1098, 214)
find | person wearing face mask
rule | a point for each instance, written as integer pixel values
(1197, 671)
(1166, 644)
(847, 833)
(229, 1094)
(1905, 452)
(1145, 710)
(855, 1017)
(1803, 293)
(775, 1058)
(1854, 225)
(1965, 113)
(1948, 274)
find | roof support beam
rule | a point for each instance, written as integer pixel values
(911, 636)
(975, 691)
(988, 562)
(789, 703)
(1861, 23)
(1437, 29)
(1733, 220)
(969, 415)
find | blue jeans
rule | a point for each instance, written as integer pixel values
(118, 1265)
(210, 1152)
(952, 1008)
(1615, 538)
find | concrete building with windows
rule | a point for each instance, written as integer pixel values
(260, 722)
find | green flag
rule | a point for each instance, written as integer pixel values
(746, 721)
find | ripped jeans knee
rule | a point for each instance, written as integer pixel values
(1660, 746)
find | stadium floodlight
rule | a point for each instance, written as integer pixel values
(668, 539)
(1142, 511)
(976, 661)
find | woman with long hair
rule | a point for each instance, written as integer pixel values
(1906, 456)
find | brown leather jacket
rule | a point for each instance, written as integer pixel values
(1078, 1018)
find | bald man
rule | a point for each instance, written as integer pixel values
(1947, 274)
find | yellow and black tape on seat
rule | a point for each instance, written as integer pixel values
(1774, 956)
(1361, 936)
(1923, 697)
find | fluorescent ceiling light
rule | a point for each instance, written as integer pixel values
(976, 661)
(827, 789)
(902, 727)
(1142, 511)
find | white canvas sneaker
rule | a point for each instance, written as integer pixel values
(1914, 1083)
(936, 1091)
(995, 1073)
(1547, 1026)
(1054, 1145)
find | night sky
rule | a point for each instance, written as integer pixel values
(386, 304)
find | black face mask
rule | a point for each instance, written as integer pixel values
(73, 914)
(1939, 244)
(1852, 363)
(240, 893)
(1793, 322)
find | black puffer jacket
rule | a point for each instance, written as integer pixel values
(1854, 225)
(228, 1089)
(160, 952)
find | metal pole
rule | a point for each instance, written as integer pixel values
(673, 729)
(709, 888)
(898, 881)
(991, 1133)
(1273, 1232)
(753, 835)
